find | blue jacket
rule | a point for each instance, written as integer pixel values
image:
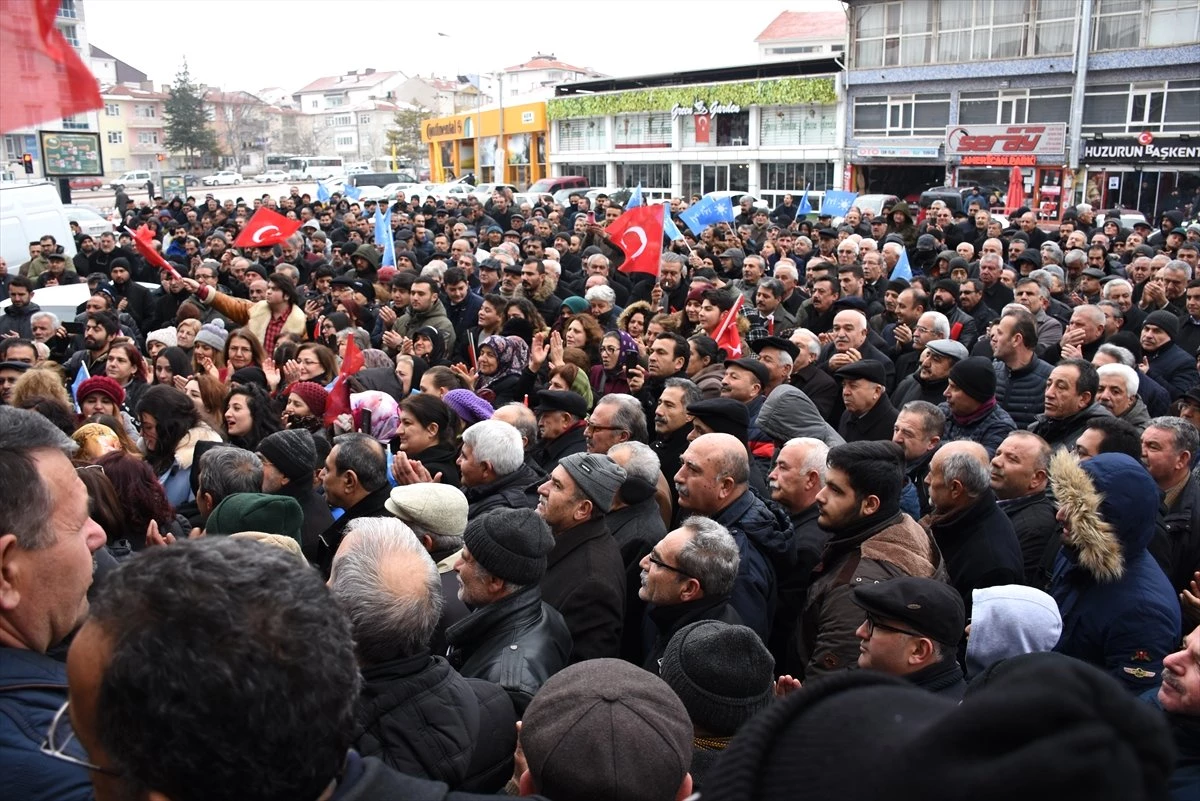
(32, 688)
(1119, 611)
(768, 552)
(1021, 393)
(1172, 367)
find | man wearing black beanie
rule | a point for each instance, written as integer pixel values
(289, 459)
(971, 409)
(872, 540)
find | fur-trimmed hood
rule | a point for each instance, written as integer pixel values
(1110, 505)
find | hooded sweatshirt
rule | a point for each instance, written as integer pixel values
(1010, 620)
(789, 413)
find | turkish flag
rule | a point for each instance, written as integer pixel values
(703, 121)
(44, 77)
(266, 228)
(639, 234)
(726, 334)
(143, 240)
(339, 393)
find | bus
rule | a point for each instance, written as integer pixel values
(278, 161)
(314, 168)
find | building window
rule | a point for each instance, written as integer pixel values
(782, 51)
(581, 134)
(1173, 106)
(144, 112)
(66, 8)
(596, 174)
(364, 119)
(1173, 22)
(793, 176)
(335, 100)
(789, 126)
(315, 104)
(1015, 107)
(643, 130)
(116, 137)
(890, 34)
(147, 137)
(344, 141)
(650, 176)
(1127, 24)
(79, 122)
(112, 110)
(341, 119)
(117, 165)
(902, 115)
(1054, 30)
(71, 34)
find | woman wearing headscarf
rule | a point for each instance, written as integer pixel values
(428, 343)
(501, 360)
(611, 374)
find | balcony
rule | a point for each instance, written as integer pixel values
(143, 122)
(140, 149)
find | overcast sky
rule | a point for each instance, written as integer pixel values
(235, 44)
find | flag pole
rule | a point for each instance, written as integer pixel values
(729, 316)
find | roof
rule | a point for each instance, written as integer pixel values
(133, 93)
(549, 62)
(747, 72)
(795, 25)
(125, 73)
(347, 82)
(218, 97)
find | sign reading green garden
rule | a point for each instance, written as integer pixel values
(70, 154)
(777, 92)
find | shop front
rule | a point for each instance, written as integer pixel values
(1146, 172)
(891, 168)
(496, 145)
(984, 156)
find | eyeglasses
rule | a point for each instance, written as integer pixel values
(654, 560)
(610, 349)
(84, 467)
(873, 624)
(55, 747)
(590, 426)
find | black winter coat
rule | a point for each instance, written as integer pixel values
(422, 718)
(585, 582)
(317, 517)
(518, 643)
(876, 424)
(517, 490)
(1033, 522)
(767, 549)
(331, 538)
(547, 453)
(1176, 543)
(636, 529)
(1022, 392)
(980, 548)
(1063, 433)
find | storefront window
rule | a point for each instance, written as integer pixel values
(650, 176)
(793, 176)
(581, 135)
(643, 130)
(596, 174)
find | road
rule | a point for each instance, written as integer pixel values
(102, 199)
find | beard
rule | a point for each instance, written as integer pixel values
(943, 306)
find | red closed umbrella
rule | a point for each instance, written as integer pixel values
(1016, 191)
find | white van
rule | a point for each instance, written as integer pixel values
(135, 179)
(27, 213)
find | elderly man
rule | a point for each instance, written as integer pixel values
(688, 576)
(585, 577)
(930, 380)
(918, 430)
(912, 629)
(714, 481)
(910, 305)
(971, 410)
(1165, 362)
(406, 688)
(616, 418)
(1070, 402)
(672, 424)
(511, 637)
(1118, 392)
(869, 413)
(807, 375)
(356, 480)
(746, 381)
(1169, 446)
(1034, 296)
(493, 471)
(1083, 336)
(973, 534)
(47, 539)
(1020, 374)
(1020, 473)
(561, 419)
(850, 344)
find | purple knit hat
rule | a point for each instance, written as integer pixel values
(469, 407)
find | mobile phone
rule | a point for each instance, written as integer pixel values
(73, 328)
(632, 360)
(591, 218)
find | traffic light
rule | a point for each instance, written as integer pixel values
(27, 160)
(162, 157)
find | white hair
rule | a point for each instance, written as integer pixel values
(643, 462)
(1116, 283)
(787, 266)
(497, 443)
(604, 294)
(940, 324)
(45, 315)
(1128, 373)
(892, 247)
(816, 455)
(552, 267)
(435, 270)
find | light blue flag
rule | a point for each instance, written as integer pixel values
(351, 191)
(724, 206)
(805, 207)
(389, 251)
(902, 268)
(635, 199)
(837, 202)
(383, 224)
(80, 376)
(669, 227)
(694, 215)
(322, 193)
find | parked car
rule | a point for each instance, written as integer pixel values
(876, 203)
(380, 179)
(553, 185)
(190, 179)
(222, 178)
(271, 177)
(134, 179)
(90, 221)
(1128, 217)
(87, 183)
(484, 191)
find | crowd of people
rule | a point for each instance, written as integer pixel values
(502, 517)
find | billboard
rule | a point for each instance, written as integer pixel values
(1006, 145)
(71, 154)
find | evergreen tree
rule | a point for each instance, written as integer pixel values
(187, 124)
(405, 136)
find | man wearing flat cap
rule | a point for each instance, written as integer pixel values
(869, 413)
(912, 629)
(585, 575)
(561, 421)
(929, 382)
(746, 380)
(718, 416)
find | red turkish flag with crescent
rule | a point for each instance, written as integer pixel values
(143, 240)
(266, 228)
(703, 122)
(44, 78)
(726, 334)
(639, 234)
